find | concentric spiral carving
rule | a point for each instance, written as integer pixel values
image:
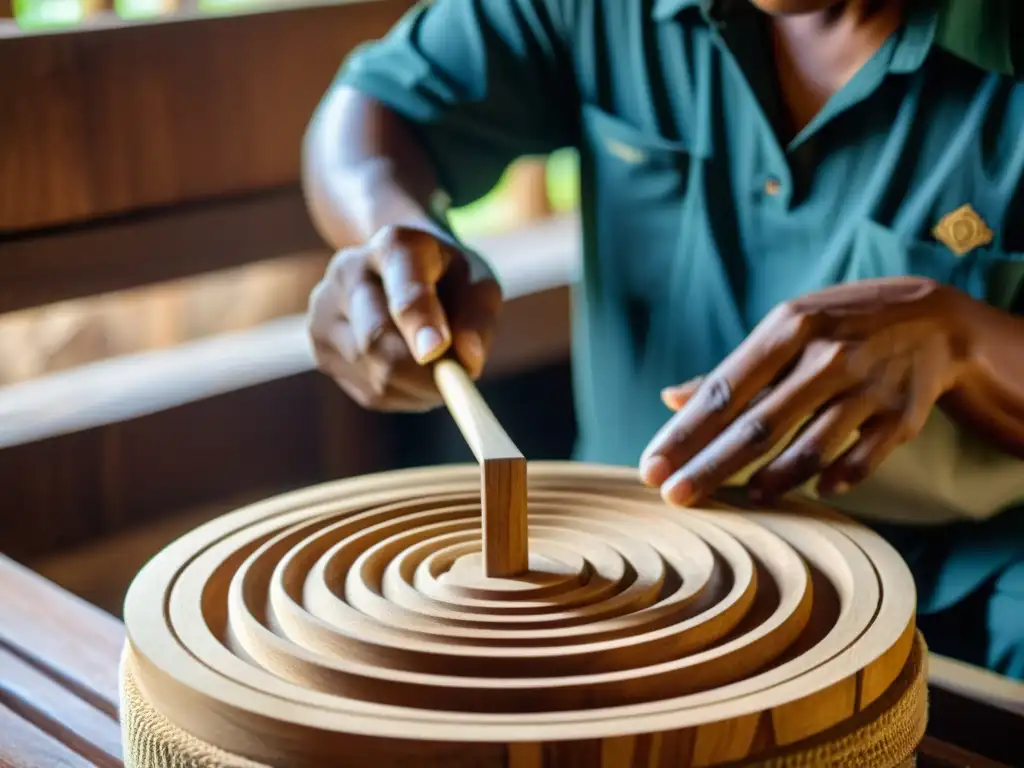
(350, 615)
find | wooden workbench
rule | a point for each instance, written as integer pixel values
(58, 676)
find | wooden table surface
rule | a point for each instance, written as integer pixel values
(58, 676)
(59, 690)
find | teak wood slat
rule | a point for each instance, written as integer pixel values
(115, 120)
(502, 473)
(66, 637)
(58, 676)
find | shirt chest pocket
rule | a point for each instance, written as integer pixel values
(985, 272)
(640, 183)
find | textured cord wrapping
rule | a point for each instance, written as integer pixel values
(895, 725)
(885, 735)
(152, 741)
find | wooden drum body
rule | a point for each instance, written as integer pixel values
(351, 624)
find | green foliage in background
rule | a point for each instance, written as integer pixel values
(489, 213)
(40, 15)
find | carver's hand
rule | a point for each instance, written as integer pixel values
(870, 357)
(387, 308)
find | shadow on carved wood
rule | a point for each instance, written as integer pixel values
(353, 614)
(375, 618)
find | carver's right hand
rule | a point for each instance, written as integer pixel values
(387, 309)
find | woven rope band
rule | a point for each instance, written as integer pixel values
(885, 735)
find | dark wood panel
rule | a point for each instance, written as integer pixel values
(152, 246)
(106, 120)
(78, 488)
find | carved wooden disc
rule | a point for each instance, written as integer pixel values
(350, 615)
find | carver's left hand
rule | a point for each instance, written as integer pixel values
(872, 356)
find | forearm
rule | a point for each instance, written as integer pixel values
(363, 169)
(989, 395)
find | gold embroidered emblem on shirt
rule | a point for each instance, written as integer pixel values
(963, 230)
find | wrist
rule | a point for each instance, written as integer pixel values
(991, 340)
(988, 394)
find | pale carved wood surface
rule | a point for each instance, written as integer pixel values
(364, 617)
(502, 473)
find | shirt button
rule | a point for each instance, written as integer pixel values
(772, 187)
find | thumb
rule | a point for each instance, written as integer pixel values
(410, 264)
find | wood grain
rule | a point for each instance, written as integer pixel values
(61, 634)
(111, 120)
(22, 745)
(363, 619)
(53, 709)
(502, 473)
(58, 689)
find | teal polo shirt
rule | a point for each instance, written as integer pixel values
(700, 214)
(698, 217)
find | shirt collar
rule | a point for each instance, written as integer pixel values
(916, 38)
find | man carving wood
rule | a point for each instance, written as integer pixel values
(803, 227)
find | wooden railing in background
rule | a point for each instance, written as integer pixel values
(138, 152)
(113, 122)
(133, 154)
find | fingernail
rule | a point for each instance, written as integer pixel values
(655, 470)
(679, 494)
(428, 342)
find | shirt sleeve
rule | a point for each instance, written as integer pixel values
(483, 82)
